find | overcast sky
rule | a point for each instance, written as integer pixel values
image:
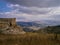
(30, 10)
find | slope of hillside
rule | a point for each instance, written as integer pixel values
(50, 29)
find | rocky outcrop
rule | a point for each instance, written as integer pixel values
(12, 30)
(8, 26)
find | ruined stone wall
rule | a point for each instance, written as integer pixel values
(8, 21)
(8, 26)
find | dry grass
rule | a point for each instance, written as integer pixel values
(29, 39)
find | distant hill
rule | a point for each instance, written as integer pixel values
(48, 22)
(29, 24)
(42, 23)
(50, 29)
(36, 25)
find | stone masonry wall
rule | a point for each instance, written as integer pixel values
(9, 26)
(9, 21)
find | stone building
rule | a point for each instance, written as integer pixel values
(9, 26)
(7, 21)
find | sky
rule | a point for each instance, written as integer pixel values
(30, 10)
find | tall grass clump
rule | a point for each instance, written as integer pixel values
(29, 39)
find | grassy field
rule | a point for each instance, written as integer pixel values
(29, 39)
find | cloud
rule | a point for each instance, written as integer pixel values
(29, 17)
(23, 13)
(35, 7)
(29, 10)
(36, 3)
(33, 10)
(22, 16)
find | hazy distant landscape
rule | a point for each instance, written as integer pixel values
(36, 25)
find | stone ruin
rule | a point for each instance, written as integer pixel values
(9, 26)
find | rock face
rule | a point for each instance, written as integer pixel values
(8, 26)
